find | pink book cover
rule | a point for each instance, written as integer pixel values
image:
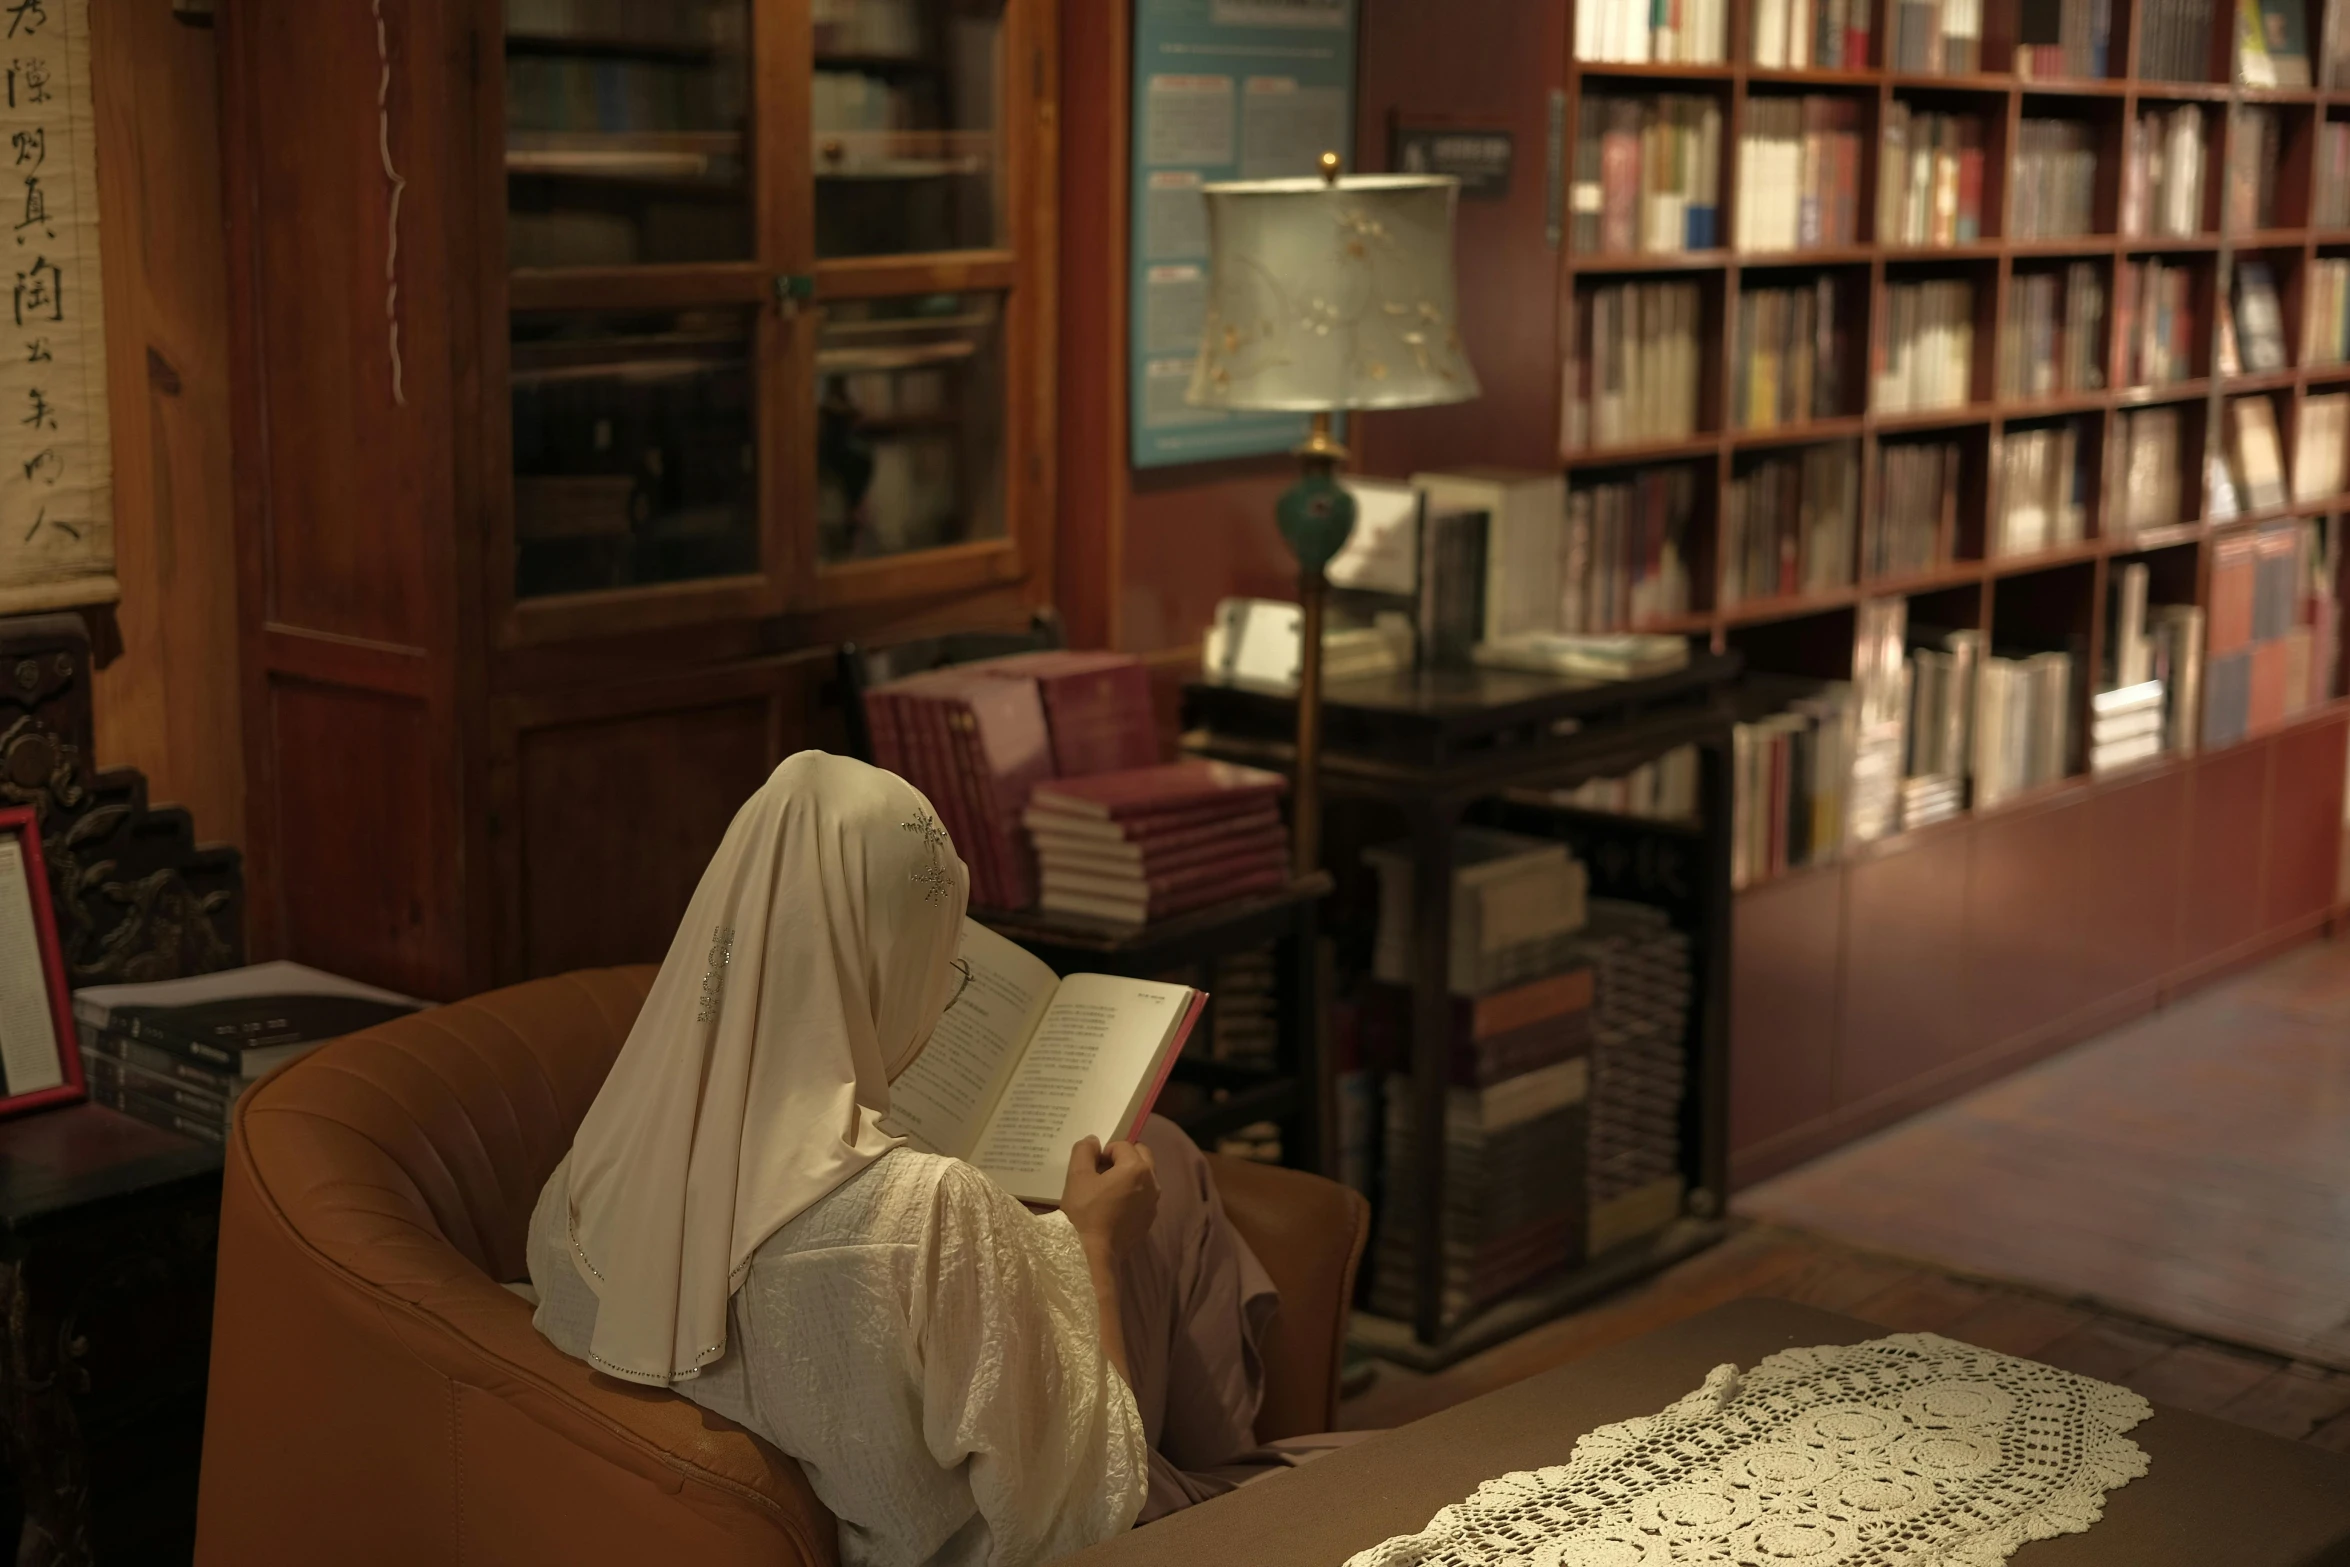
(1152, 791)
(881, 722)
(1154, 838)
(1162, 884)
(1002, 751)
(1199, 1004)
(1096, 705)
(931, 723)
(1084, 859)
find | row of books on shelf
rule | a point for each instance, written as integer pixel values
(2325, 312)
(1685, 32)
(1632, 365)
(2329, 206)
(2174, 42)
(1647, 173)
(2061, 39)
(876, 29)
(2154, 316)
(2162, 173)
(2054, 179)
(2053, 340)
(1917, 507)
(2043, 491)
(620, 96)
(1830, 35)
(1799, 173)
(1791, 347)
(1787, 524)
(1934, 721)
(2256, 154)
(1927, 354)
(1929, 178)
(1935, 37)
(695, 24)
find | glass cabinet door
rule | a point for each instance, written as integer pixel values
(628, 129)
(906, 126)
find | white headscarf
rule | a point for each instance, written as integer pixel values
(811, 967)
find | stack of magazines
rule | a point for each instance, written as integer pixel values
(178, 1053)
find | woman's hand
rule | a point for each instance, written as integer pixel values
(1110, 1196)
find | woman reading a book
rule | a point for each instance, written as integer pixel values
(962, 1379)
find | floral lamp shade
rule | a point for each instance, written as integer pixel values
(1331, 295)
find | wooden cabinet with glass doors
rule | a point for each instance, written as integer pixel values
(601, 365)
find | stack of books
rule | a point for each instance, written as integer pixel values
(2055, 170)
(2061, 39)
(1936, 38)
(2175, 43)
(2125, 726)
(2154, 317)
(1929, 178)
(1515, 1203)
(1799, 181)
(1516, 903)
(1244, 1026)
(1639, 1071)
(1927, 358)
(1647, 173)
(179, 1053)
(1791, 347)
(1788, 524)
(1917, 508)
(2044, 484)
(1153, 842)
(2149, 467)
(1637, 32)
(1788, 778)
(977, 738)
(2053, 340)
(1830, 35)
(2162, 173)
(1633, 366)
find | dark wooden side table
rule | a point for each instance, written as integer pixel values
(1296, 1091)
(107, 1233)
(1436, 748)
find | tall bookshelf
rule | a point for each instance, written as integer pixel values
(1931, 960)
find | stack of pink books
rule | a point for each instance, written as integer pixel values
(976, 738)
(1151, 842)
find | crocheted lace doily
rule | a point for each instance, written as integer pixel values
(1910, 1450)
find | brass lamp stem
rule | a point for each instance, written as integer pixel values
(1319, 458)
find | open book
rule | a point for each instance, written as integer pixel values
(1025, 1064)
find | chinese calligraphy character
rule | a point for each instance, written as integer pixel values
(38, 352)
(44, 413)
(36, 210)
(40, 291)
(46, 465)
(27, 17)
(33, 77)
(42, 519)
(32, 147)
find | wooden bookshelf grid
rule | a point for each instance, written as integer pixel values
(2003, 100)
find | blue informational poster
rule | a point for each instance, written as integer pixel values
(1223, 90)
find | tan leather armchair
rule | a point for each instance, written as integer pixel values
(377, 1397)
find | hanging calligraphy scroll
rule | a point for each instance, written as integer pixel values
(56, 464)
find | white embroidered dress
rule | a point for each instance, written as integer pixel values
(930, 1351)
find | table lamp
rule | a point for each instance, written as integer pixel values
(1325, 294)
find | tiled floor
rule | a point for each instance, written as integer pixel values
(2193, 1168)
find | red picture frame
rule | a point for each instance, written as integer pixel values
(23, 824)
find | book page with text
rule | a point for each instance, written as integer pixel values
(941, 1101)
(1098, 1043)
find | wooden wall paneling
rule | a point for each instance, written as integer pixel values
(2304, 822)
(2027, 911)
(1412, 62)
(367, 885)
(2136, 858)
(609, 801)
(168, 704)
(1786, 945)
(2225, 835)
(1095, 150)
(1907, 1005)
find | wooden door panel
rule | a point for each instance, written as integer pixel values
(2305, 823)
(1785, 940)
(1907, 1005)
(2225, 832)
(619, 818)
(2026, 913)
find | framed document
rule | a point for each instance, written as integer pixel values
(38, 1062)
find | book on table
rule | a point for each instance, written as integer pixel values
(1026, 1063)
(244, 1021)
